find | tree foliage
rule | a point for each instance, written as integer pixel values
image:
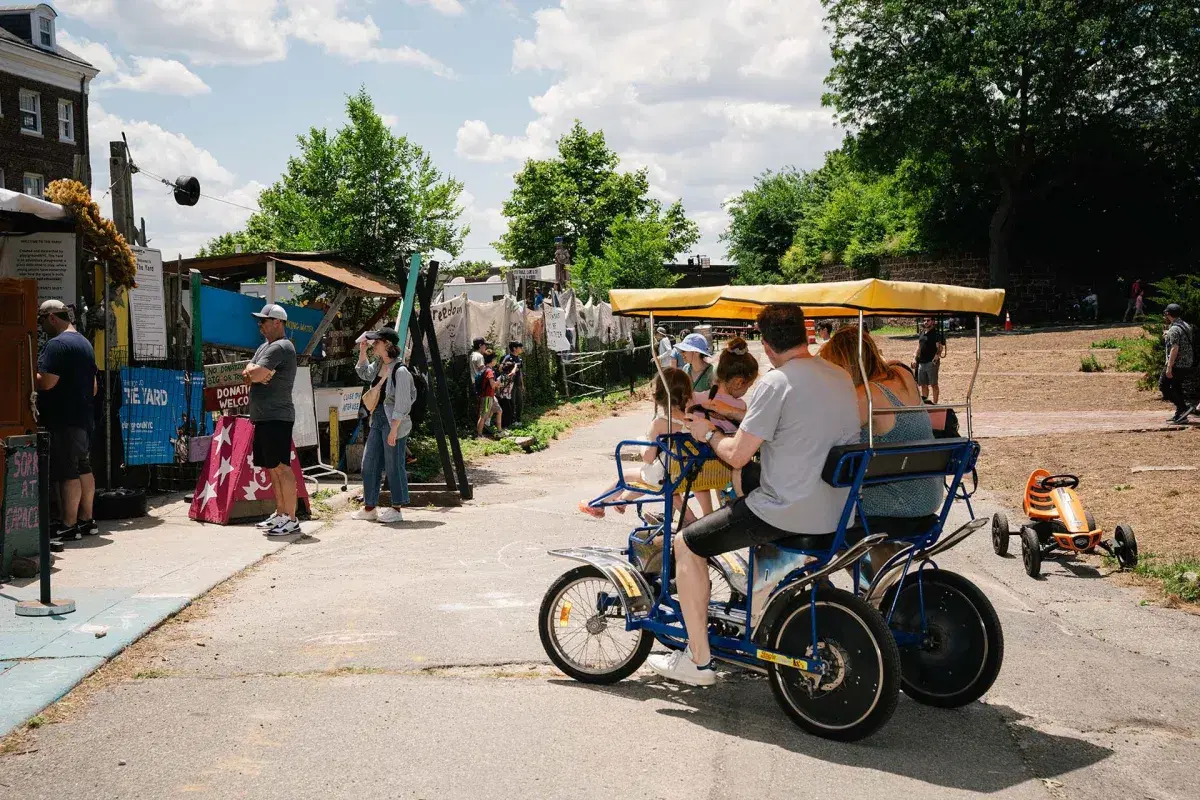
(633, 256)
(470, 270)
(1011, 94)
(579, 195)
(762, 224)
(373, 197)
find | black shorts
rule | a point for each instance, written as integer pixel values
(70, 454)
(272, 443)
(733, 527)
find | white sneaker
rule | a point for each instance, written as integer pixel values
(269, 522)
(678, 666)
(389, 515)
(364, 513)
(286, 527)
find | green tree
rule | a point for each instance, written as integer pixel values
(762, 224)
(364, 193)
(579, 195)
(470, 270)
(1015, 88)
(633, 256)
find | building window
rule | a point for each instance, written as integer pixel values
(31, 112)
(34, 185)
(66, 121)
(46, 31)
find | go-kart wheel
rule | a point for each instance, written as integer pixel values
(963, 643)
(1031, 552)
(861, 687)
(585, 637)
(1091, 521)
(1000, 533)
(1125, 548)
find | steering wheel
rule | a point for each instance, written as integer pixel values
(1059, 482)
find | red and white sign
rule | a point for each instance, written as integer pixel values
(230, 486)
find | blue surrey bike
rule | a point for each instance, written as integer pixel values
(836, 659)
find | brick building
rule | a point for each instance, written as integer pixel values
(43, 102)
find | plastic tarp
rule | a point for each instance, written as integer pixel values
(27, 204)
(839, 299)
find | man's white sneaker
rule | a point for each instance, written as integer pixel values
(364, 513)
(286, 527)
(678, 666)
(389, 515)
(269, 522)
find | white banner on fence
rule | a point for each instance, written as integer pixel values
(450, 327)
(147, 307)
(556, 330)
(304, 431)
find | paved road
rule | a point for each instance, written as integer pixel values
(373, 662)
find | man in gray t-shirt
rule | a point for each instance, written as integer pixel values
(271, 374)
(797, 413)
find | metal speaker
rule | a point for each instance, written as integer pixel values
(187, 190)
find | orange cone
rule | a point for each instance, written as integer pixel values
(1007, 321)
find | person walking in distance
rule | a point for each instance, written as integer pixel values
(66, 384)
(1177, 376)
(931, 347)
(270, 375)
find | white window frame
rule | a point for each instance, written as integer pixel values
(50, 31)
(41, 183)
(37, 99)
(69, 118)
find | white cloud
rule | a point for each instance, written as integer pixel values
(147, 73)
(243, 31)
(390, 120)
(705, 100)
(170, 227)
(451, 8)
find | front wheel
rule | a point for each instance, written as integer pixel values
(1031, 552)
(961, 643)
(582, 627)
(861, 686)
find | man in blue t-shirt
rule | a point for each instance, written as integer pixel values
(67, 386)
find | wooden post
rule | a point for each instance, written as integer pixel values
(442, 406)
(335, 443)
(270, 280)
(436, 421)
(120, 177)
(335, 306)
(197, 338)
(410, 287)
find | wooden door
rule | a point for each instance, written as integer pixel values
(18, 355)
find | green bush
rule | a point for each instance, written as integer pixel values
(1089, 364)
(1183, 290)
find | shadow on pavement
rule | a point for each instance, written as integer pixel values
(970, 748)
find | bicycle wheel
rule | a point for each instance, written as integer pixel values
(582, 627)
(963, 643)
(861, 687)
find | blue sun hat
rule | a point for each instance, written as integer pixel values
(694, 343)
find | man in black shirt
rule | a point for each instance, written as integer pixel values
(931, 346)
(516, 401)
(66, 383)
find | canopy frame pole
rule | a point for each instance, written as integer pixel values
(974, 374)
(862, 370)
(662, 377)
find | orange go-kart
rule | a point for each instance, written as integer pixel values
(1058, 524)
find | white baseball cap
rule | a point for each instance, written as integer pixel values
(272, 311)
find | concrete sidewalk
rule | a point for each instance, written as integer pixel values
(124, 582)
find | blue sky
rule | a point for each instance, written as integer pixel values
(705, 93)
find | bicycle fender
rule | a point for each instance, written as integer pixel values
(631, 585)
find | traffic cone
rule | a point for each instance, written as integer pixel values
(1007, 321)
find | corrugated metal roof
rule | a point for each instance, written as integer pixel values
(321, 267)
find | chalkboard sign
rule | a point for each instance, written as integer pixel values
(19, 534)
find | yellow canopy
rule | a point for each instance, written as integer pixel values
(841, 299)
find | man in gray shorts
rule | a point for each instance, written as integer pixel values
(797, 413)
(931, 346)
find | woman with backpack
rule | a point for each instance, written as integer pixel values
(389, 403)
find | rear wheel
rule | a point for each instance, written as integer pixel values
(861, 687)
(1031, 552)
(1000, 533)
(1125, 548)
(582, 627)
(962, 643)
